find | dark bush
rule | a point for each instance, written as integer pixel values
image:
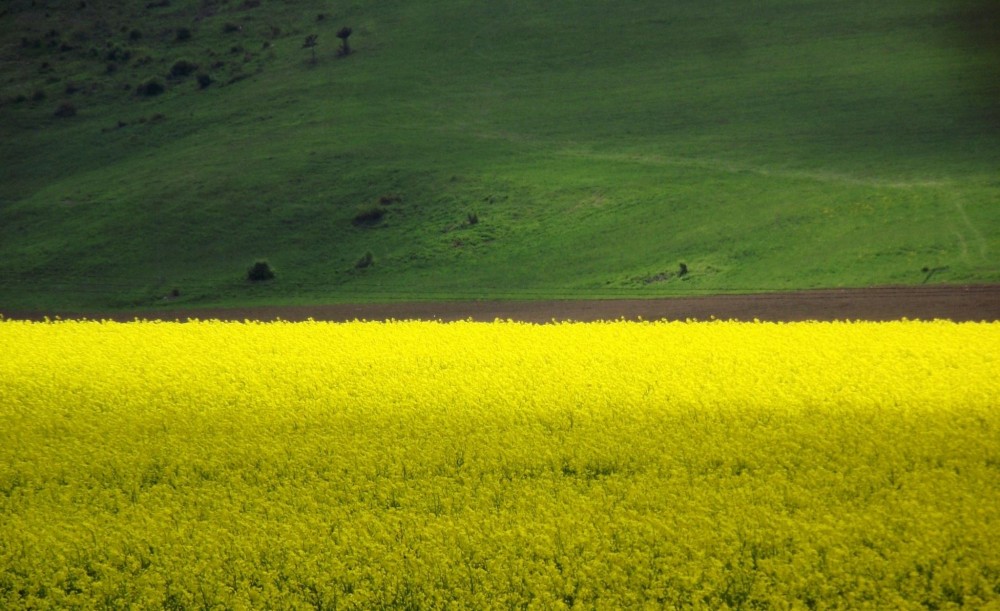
(116, 54)
(204, 80)
(150, 88)
(260, 271)
(369, 216)
(66, 110)
(182, 68)
(134, 35)
(183, 34)
(230, 28)
(366, 261)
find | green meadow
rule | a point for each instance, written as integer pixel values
(508, 149)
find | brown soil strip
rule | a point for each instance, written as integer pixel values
(957, 303)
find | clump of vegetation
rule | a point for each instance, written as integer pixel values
(365, 261)
(150, 88)
(183, 34)
(204, 80)
(65, 110)
(182, 68)
(260, 271)
(231, 28)
(118, 54)
(369, 216)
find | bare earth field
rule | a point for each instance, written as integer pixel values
(957, 303)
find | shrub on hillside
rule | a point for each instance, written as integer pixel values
(150, 88)
(183, 34)
(182, 68)
(117, 54)
(365, 261)
(260, 271)
(204, 80)
(65, 110)
(369, 216)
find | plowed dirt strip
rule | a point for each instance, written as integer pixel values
(957, 303)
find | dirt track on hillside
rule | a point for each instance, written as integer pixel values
(958, 303)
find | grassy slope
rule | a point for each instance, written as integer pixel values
(797, 144)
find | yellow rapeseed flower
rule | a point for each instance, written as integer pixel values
(469, 465)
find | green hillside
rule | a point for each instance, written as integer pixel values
(492, 149)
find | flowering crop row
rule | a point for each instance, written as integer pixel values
(469, 465)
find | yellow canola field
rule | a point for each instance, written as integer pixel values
(469, 465)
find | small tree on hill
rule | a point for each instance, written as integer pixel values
(260, 272)
(310, 43)
(343, 35)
